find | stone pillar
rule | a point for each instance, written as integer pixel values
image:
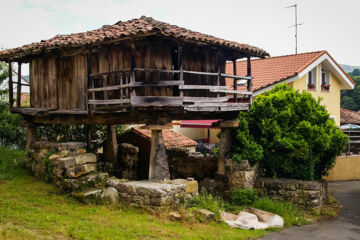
(158, 165)
(225, 144)
(31, 135)
(111, 149)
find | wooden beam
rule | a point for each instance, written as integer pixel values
(158, 84)
(109, 101)
(18, 95)
(110, 72)
(206, 99)
(148, 101)
(111, 148)
(89, 81)
(156, 70)
(11, 89)
(231, 92)
(235, 80)
(201, 73)
(235, 76)
(108, 88)
(132, 73)
(180, 62)
(156, 127)
(31, 136)
(204, 87)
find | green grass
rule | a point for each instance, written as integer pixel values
(292, 215)
(11, 163)
(33, 209)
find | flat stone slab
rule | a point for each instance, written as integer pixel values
(147, 187)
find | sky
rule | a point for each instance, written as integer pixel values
(331, 25)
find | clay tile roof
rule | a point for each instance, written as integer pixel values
(349, 116)
(171, 138)
(123, 30)
(266, 72)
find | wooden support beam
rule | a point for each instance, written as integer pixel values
(158, 165)
(88, 130)
(224, 150)
(18, 94)
(31, 136)
(132, 72)
(235, 81)
(11, 89)
(89, 81)
(111, 148)
(180, 63)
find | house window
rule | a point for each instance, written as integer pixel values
(325, 80)
(311, 80)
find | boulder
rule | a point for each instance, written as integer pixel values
(64, 162)
(80, 170)
(113, 182)
(204, 215)
(89, 196)
(85, 158)
(191, 186)
(175, 216)
(110, 196)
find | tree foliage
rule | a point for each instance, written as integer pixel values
(294, 133)
(11, 134)
(350, 99)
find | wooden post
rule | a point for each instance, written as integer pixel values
(88, 137)
(31, 136)
(111, 148)
(90, 82)
(218, 71)
(250, 80)
(180, 62)
(18, 95)
(158, 164)
(235, 80)
(225, 144)
(132, 73)
(11, 89)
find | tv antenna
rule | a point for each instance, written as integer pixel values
(296, 25)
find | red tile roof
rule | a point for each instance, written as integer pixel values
(124, 30)
(266, 72)
(171, 138)
(349, 116)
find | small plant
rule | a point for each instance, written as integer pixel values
(244, 196)
(311, 86)
(325, 87)
(49, 176)
(209, 201)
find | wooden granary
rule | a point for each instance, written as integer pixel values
(140, 71)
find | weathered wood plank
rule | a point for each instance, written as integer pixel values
(156, 70)
(236, 76)
(110, 72)
(11, 89)
(109, 101)
(109, 88)
(201, 73)
(206, 99)
(217, 104)
(18, 94)
(158, 84)
(232, 92)
(203, 87)
(156, 101)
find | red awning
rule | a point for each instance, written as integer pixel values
(198, 123)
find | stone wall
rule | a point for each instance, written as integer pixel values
(128, 161)
(184, 164)
(240, 175)
(306, 194)
(156, 194)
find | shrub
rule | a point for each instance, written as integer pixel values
(291, 214)
(243, 196)
(12, 163)
(209, 201)
(293, 131)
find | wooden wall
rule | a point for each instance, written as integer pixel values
(61, 83)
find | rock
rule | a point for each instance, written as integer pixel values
(85, 158)
(65, 162)
(110, 196)
(190, 186)
(205, 215)
(89, 196)
(54, 156)
(270, 219)
(65, 153)
(80, 151)
(80, 170)
(113, 182)
(72, 185)
(96, 178)
(175, 216)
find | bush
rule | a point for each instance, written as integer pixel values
(12, 163)
(209, 201)
(243, 196)
(291, 214)
(293, 131)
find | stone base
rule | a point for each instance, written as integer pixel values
(156, 194)
(306, 194)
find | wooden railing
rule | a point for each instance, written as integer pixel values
(127, 91)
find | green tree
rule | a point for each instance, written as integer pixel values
(294, 132)
(350, 99)
(356, 72)
(11, 134)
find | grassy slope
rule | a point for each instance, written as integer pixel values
(32, 209)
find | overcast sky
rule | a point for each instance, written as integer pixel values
(331, 25)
